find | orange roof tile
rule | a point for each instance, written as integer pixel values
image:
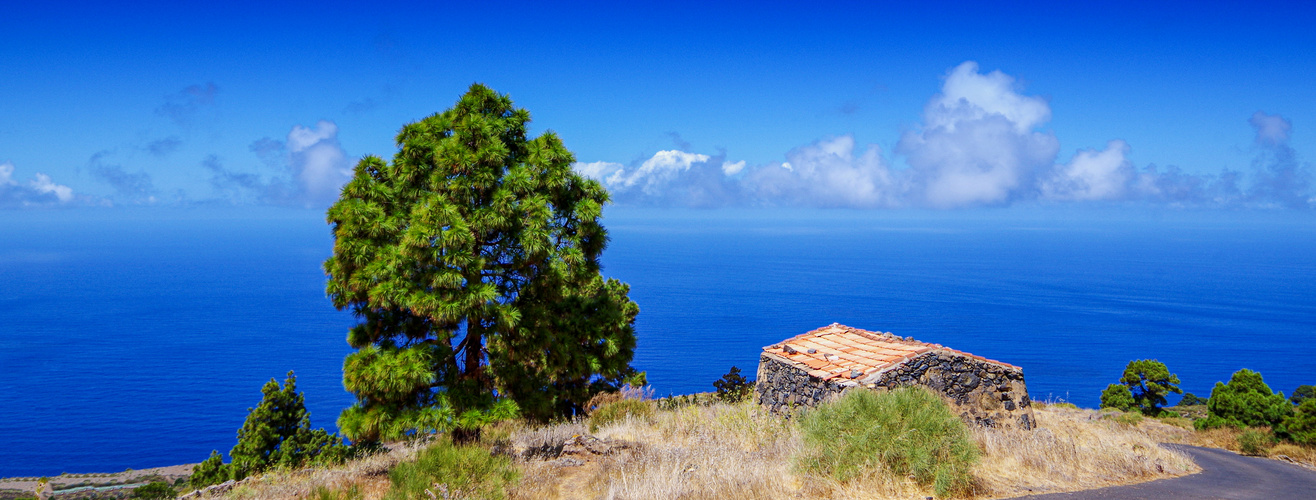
(834, 350)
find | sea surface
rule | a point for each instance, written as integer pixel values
(132, 339)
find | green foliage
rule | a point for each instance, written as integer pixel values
(278, 432)
(1148, 382)
(618, 410)
(1118, 397)
(472, 262)
(1214, 422)
(1301, 426)
(1303, 393)
(1246, 401)
(445, 470)
(211, 471)
(155, 491)
(1190, 399)
(1254, 441)
(905, 432)
(733, 387)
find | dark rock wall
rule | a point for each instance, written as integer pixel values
(984, 393)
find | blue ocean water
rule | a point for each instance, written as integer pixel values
(140, 340)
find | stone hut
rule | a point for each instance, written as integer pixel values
(822, 364)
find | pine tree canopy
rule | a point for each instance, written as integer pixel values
(472, 263)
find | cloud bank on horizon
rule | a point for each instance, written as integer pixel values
(980, 143)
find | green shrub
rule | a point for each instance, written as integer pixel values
(618, 411)
(445, 470)
(1247, 401)
(1254, 441)
(904, 432)
(1303, 393)
(156, 490)
(1117, 396)
(1301, 426)
(1145, 384)
(733, 387)
(1190, 399)
(211, 471)
(1214, 422)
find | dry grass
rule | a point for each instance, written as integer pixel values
(1075, 449)
(738, 451)
(368, 475)
(722, 450)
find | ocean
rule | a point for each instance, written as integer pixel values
(139, 338)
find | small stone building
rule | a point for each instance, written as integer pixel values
(821, 364)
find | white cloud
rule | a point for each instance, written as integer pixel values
(318, 161)
(978, 144)
(41, 190)
(827, 173)
(733, 168)
(1091, 175)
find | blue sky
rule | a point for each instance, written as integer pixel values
(865, 106)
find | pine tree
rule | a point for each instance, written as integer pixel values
(472, 262)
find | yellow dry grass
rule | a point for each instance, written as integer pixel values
(1075, 449)
(739, 451)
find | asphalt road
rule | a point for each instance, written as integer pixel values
(1224, 475)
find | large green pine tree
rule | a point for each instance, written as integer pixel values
(472, 262)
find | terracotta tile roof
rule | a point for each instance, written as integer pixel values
(839, 351)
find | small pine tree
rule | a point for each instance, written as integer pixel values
(1246, 401)
(1301, 426)
(278, 432)
(733, 387)
(1303, 393)
(1117, 396)
(211, 471)
(1190, 399)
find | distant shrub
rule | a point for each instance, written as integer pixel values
(1254, 441)
(445, 470)
(1303, 393)
(1301, 426)
(733, 387)
(904, 432)
(1190, 399)
(211, 471)
(154, 491)
(618, 411)
(1214, 422)
(1246, 401)
(1145, 384)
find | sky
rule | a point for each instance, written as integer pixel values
(866, 106)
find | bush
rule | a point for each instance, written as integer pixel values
(211, 471)
(1255, 441)
(323, 493)
(445, 470)
(733, 387)
(618, 411)
(1117, 396)
(1303, 393)
(1301, 426)
(1214, 422)
(1190, 399)
(1246, 401)
(154, 491)
(904, 432)
(1129, 418)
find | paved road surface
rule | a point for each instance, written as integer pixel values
(1224, 475)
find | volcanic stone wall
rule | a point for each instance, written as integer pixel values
(983, 393)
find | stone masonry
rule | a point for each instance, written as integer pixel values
(822, 364)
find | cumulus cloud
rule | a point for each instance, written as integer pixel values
(40, 191)
(310, 169)
(981, 142)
